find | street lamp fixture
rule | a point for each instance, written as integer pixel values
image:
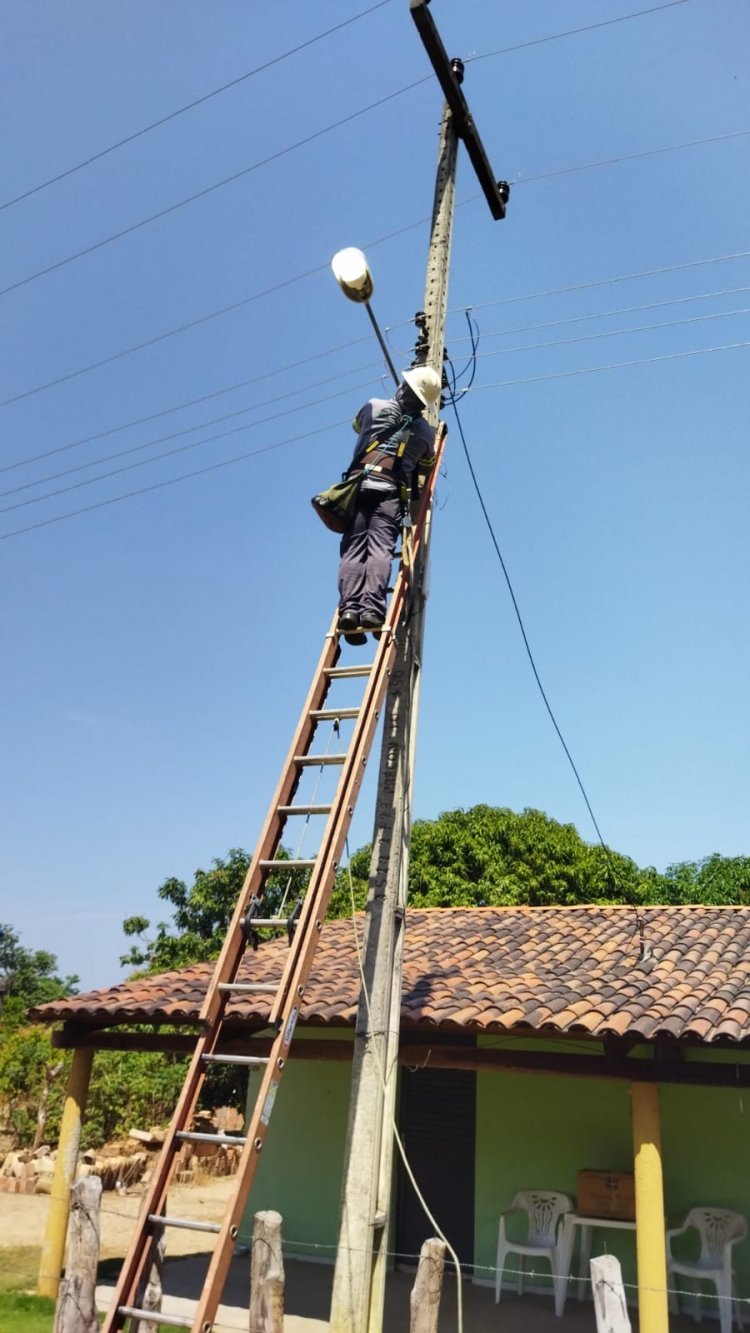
(352, 273)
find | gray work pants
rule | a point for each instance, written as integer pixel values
(366, 554)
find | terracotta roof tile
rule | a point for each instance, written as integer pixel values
(497, 969)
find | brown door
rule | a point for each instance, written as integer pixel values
(437, 1124)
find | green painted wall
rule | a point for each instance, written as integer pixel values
(532, 1130)
(302, 1160)
(537, 1131)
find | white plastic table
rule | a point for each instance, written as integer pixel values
(587, 1224)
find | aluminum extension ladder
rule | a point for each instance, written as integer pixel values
(304, 932)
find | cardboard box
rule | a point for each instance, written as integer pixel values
(606, 1194)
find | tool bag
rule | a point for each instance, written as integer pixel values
(336, 507)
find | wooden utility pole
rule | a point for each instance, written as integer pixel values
(366, 1222)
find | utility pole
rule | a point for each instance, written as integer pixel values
(367, 1224)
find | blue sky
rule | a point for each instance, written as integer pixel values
(157, 649)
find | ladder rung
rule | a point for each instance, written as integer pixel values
(248, 987)
(160, 1219)
(290, 864)
(236, 1059)
(303, 809)
(315, 759)
(332, 714)
(340, 673)
(172, 1320)
(193, 1136)
(269, 921)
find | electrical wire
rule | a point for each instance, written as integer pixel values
(500, 384)
(170, 453)
(573, 32)
(331, 351)
(189, 106)
(602, 314)
(173, 481)
(208, 189)
(616, 333)
(592, 284)
(522, 626)
(188, 402)
(276, 60)
(202, 319)
(613, 365)
(626, 157)
(187, 430)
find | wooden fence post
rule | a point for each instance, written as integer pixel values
(76, 1304)
(424, 1301)
(610, 1306)
(267, 1275)
(151, 1291)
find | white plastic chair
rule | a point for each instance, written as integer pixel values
(720, 1230)
(543, 1209)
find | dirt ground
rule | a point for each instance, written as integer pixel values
(23, 1216)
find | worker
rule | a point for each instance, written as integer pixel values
(395, 445)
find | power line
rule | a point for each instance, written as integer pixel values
(340, 347)
(604, 282)
(202, 319)
(522, 627)
(614, 365)
(173, 435)
(208, 189)
(603, 314)
(170, 453)
(276, 60)
(172, 481)
(189, 106)
(501, 384)
(321, 268)
(573, 32)
(615, 333)
(627, 157)
(186, 430)
(188, 402)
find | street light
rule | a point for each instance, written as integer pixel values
(352, 273)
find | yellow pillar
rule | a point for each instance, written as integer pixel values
(53, 1248)
(653, 1312)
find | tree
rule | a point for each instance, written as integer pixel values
(714, 880)
(489, 856)
(29, 976)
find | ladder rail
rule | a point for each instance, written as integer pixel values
(270, 836)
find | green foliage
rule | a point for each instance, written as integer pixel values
(28, 1063)
(201, 913)
(131, 1089)
(716, 880)
(489, 856)
(30, 976)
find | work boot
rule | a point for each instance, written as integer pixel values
(348, 620)
(373, 623)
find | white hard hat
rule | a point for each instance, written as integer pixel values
(425, 383)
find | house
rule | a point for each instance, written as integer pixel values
(535, 1042)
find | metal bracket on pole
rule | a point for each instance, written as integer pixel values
(450, 75)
